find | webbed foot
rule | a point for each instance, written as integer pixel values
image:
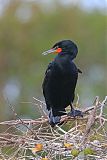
(53, 119)
(75, 113)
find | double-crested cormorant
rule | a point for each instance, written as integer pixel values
(60, 81)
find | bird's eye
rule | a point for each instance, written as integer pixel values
(56, 47)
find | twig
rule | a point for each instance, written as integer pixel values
(15, 114)
(53, 140)
(91, 120)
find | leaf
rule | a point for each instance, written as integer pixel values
(45, 158)
(88, 151)
(38, 147)
(75, 152)
(68, 145)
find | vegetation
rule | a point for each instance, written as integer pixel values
(76, 138)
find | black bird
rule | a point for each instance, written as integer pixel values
(60, 81)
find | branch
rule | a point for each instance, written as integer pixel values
(58, 141)
(44, 119)
(91, 119)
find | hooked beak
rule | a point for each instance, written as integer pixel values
(53, 50)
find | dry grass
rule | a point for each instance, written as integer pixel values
(77, 138)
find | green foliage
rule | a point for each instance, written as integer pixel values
(75, 152)
(88, 151)
(9, 150)
(96, 137)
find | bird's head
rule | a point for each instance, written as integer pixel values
(65, 47)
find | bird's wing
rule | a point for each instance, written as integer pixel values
(45, 84)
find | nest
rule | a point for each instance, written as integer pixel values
(77, 138)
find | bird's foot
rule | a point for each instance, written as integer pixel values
(74, 113)
(54, 120)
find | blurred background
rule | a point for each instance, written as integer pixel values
(29, 27)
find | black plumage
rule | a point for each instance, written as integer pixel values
(60, 81)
